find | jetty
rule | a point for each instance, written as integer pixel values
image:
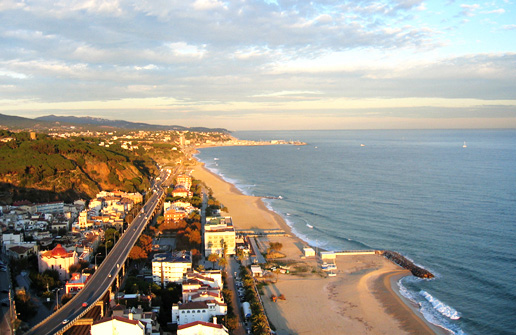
(407, 264)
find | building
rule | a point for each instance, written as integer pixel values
(19, 251)
(149, 319)
(184, 180)
(197, 311)
(212, 278)
(57, 259)
(174, 215)
(256, 270)
(181, 191)
(201, 328)
(50, 207)
(76, 282)
(219, 233)
(117, 325)
(171, 267)
(309, 252)
(10, 238)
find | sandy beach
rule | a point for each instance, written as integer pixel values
(360, 299)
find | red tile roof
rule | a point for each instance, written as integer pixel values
(193, 324)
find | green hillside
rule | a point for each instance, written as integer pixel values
(49, 169)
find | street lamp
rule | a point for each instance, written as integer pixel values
(96, 261)
(114, 242)
(57, 297)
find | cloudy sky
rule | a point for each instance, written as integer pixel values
(263, 64)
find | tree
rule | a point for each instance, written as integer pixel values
(232, 323)
(137, 253)
(145, 242)
(276, 246)
(213, 258)
(222, 262)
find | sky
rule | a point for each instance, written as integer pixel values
(263, 64)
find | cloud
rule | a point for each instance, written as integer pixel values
(215, 55)
(208, 4)
(469, 10)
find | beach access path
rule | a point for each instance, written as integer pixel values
(360, 299)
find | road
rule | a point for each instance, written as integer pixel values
(103, 278)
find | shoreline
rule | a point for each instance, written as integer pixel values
(380, 296)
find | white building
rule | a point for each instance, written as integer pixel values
(171, 267)
(117, 325)
(202, 328)
(57, 259)
(197, 311)
(218, 233)
(212, 278)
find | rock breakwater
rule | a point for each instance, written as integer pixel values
(407, 264)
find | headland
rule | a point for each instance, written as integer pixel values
(361, 298)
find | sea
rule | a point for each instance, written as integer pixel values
(446, 199)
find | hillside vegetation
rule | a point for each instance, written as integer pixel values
(49, 169)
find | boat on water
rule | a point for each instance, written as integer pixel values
(362, 145)
(464, 145)
(309, 226)
(280, 197)
(215, 159)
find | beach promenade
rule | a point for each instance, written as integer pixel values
(361, 299)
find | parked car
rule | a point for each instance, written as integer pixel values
(84, 304)
(65, 321)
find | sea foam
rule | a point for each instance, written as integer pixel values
(441, 307)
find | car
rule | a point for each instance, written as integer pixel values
(84, 304)
(65, 321)
(109, 275)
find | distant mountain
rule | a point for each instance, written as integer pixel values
(54, 121)
(123, 124)
(17, 122)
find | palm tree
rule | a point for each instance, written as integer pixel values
(222, 262)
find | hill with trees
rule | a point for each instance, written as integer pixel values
(45, 169)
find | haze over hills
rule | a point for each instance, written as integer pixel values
(55, 121)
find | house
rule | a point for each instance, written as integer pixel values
(309, 252)
(76, 282)
(212, 278)
(149, 319)
(197, 311)
(256, 270)
(17, 251)
(117, 325)
(181, 191)
(200, 327)
(174, 215)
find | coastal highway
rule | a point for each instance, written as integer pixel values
(103, 278)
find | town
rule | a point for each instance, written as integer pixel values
(189, 271)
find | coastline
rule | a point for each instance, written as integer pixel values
(362, 298)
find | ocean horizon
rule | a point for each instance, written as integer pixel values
(446, 199)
